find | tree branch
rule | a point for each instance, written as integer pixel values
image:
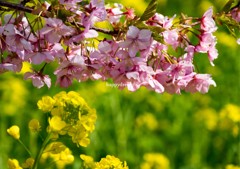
(16, 6)
(30, 10)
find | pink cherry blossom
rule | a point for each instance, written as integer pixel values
(200, 83)
(55, 29)
(137, 40)
(171, 37)
(114, 14)
(160, 20)
(11, 63)
(47, 54)
(97, 12)
(207, 22)
(38, 79)
(235, 13)
(16, 41)
(190, 49)
(134, 53)
(212, 53)
(207, 44)
(87, 33)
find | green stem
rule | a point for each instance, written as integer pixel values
(40, 152)
(25, 147)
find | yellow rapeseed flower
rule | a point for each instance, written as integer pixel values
(56, 124)
(46, 104)
(13, 164)
(111, 162)
(56, 147)
(11, 103)
(147, 120)
(231, 166)
(232, 112)
(14, 131)
(208, 117)
(156, 161)
(59, 153)
(88, 161)
(71, 116)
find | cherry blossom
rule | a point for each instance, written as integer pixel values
(137, 40)
(55, 29)
(207, 22)
(38, 79)
(200, 83)
(134, 51)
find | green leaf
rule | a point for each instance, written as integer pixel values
(228, 6)
(149, 11)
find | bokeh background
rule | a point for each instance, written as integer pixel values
(187, 131)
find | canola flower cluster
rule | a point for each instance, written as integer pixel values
(70, 115)
(109, 162)
(59, 153)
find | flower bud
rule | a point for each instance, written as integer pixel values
(13, 164)
(34, 125)
(14, 131)
(28, 163)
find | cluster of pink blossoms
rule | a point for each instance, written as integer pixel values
(132, 55)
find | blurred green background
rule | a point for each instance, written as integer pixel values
(187, 131)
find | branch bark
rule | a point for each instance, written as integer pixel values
(19, 7)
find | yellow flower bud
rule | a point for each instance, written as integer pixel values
(14, 131)
(34, 125)
(28, 163)
(57, 147)
(13, 164)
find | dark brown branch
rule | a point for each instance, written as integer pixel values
(30, 10)
(16, 6)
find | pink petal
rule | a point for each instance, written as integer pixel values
(132, 32)
(144, 35)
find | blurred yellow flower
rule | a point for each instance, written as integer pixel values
(59, 153)
(147, 120)
(26, 67)
(11, 103)
(14, 131)
(230, 118)
(46, 104)
(88, 161)
(13, 164)
(28, 163)
(34, 125)
(155, 161)
(111, 162)
(232, 112)
(208, 117)
(230, 166)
